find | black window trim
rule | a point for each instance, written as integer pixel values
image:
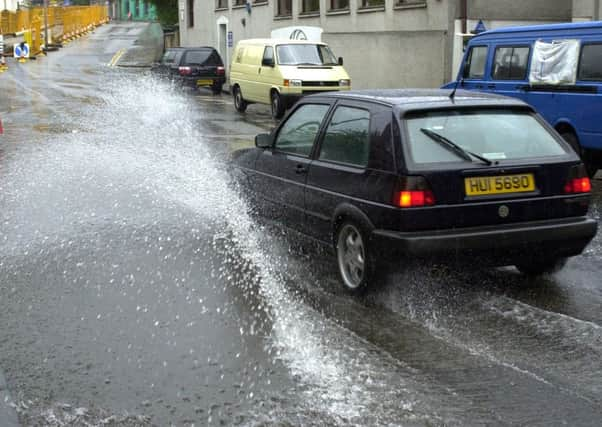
(583, 44)
(486, 46)
(318, 136)
(527, 69)
(318, 147)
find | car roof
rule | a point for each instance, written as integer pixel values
(420, 99)
(565, 26)
(190, 48)
(271, 42)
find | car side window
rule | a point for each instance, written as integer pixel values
(268, 54)
(347, 137)
(474, 66)
(510, 63)
(590, 64)
(178, 58)
(297, 134)
(168, 57)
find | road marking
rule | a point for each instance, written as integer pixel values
(116, 57)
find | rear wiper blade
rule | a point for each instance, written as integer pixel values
(465, 154)
(307, 63)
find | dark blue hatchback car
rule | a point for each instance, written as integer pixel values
(380, 174)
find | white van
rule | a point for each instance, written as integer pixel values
(278, 72)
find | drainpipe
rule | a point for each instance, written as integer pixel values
(464, 14)
(597, 11)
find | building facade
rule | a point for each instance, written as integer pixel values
(384, 43)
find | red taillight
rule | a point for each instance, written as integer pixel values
(410, 199)
(578, 185)
(185, 71)
(413, 191)
(221, 70)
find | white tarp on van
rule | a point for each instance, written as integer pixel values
(312, 34)
(554, 63)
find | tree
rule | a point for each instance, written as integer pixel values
(167, 11)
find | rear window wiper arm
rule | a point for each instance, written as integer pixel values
(465, 154)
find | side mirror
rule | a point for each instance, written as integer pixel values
(263, 140)
(267, 62)
(340, 60)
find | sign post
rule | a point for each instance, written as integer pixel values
(3, 66)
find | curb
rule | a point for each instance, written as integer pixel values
(8, 415)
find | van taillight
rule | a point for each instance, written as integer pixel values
(413, 191)
(577, 181)
(221, 70)
(185, 71)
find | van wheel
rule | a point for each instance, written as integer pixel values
(571, 138)
(239, 103)
(354, 262)
(277, 105)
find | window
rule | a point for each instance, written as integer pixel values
(339, 4)
(510, 63)
(268, 55)
(308, 6)
(590, 64)
(372, 3)
(197, 57)
(190, 13)
(409, 2)
(474, 67)
(297, 135)
(284, 8)
(314, 54)
(347, 138)
(168, 57)
(493, 134)
(221, 4)
(240, 2)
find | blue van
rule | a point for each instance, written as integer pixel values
(505, 61)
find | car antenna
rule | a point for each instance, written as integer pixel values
(453, 92)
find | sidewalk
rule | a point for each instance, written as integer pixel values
(8, 415)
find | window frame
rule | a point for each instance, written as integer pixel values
(338, 9)
(302, 10)
(513, 46)
(466, 62)
(317, 137)
(365, 5)
(218, 5)
(583, 45)
(279, 13)
(326, 124)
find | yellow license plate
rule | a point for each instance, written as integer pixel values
(485, 185)
(204, 82)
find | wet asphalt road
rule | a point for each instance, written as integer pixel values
(136, 290)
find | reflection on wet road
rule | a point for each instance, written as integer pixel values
(135, 288)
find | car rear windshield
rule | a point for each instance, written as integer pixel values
(305, 54)
(199, 57)
(496, 135)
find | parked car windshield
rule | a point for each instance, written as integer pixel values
(493, 134)
(305, 54)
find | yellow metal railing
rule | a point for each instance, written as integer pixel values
(64, 23)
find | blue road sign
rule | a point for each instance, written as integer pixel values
(21, 50)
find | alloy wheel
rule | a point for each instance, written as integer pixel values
(351, 256)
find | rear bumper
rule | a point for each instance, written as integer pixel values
(207, 81)
(559, 237)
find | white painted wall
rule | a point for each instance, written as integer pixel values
(8, 5)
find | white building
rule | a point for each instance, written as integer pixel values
(385, 43)
(8, 5)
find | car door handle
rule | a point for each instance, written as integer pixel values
(491, 86)
(478, 86)
(259, 71)
(299, 169)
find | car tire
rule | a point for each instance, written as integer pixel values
(239, 102)
(277, 105)
(571, 138)
(356, 266)
(216, 89)
(538, 267)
